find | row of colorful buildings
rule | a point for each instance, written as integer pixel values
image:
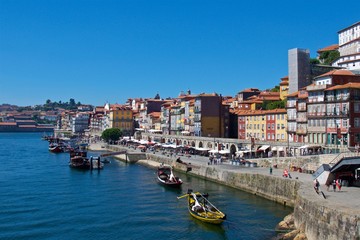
(321, 106)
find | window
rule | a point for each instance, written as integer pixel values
(356, 107)
(356, 122)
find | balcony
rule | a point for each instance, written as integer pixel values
(291, 117)
(301, 131)
(316, 114)
(301, 119)
(290, 105)
(316, 87)
(301, 108)
(316, 129)
(337, 99)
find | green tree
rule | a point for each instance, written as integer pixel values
(111, 134)
(328, 57)
(270, 105)
(314, 61)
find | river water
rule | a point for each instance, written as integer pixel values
(43, 198)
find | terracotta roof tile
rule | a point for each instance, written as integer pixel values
(340, 72)
(344, 86)
(329, 48)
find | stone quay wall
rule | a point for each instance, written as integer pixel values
(270, 187)
(319, 222)
(323, 222)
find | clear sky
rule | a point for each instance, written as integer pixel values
(99, 51)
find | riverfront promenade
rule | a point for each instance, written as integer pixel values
(347, 198)
(324, 218)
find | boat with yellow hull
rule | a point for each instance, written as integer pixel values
(202, 209)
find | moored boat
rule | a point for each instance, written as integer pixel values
(166, 176)
(79, 159)
(55, 148)
(202, 209)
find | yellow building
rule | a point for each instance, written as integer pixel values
(284, 87)
(121, 116)
(263, 125)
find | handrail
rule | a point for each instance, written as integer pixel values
(343, 155)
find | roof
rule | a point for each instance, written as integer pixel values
(353, 25)
(260, 112)
(344, 86)
(329, 48)
(7, 123)
(250, 90)
(339, 72)
(282, 83)
(294, 94)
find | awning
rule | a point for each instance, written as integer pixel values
(213, 151)
(244, 151)
(303, 147)
(280, 149)
(185, 132)
(224, 151)
(274, 149)
(154, 130)
(263, 147)
(202, 149)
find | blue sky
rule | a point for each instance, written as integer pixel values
(98, 51)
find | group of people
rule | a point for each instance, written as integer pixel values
(214, 160)
(336, 183)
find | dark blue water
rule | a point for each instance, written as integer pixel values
(43, 198)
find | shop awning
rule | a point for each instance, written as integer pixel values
(263, 147)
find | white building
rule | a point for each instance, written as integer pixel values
(80, 122)
(349, 47)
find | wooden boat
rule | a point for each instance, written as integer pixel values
(79, 159)
(201, 208)
(166, 176)
(56, 148)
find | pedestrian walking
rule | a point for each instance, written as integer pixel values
(338, 184)
(334, 185)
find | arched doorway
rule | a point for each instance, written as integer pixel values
(232, 150)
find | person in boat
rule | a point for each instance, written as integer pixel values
(172, 177)
(197, 207)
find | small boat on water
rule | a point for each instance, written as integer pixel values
(56, 148)
(201, 208)
(166, 176)
(105, 160)
(79, 159)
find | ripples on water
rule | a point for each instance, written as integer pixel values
(42, 198)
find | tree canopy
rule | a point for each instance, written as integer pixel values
(328, 57)
(111, 134)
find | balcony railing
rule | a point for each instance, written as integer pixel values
(316, 114)
(316, 129)
(301, 131)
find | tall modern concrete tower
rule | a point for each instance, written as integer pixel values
(299, 69)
